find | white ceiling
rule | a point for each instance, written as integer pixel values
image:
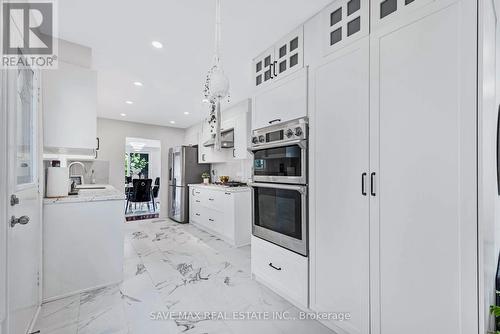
(120, 33)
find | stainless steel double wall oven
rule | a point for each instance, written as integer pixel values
(280, 199)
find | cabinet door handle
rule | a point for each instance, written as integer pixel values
(363, 181)
(271, 70)
(274, 267)
(274, 68)
(275, 120)
(98, 144)
(203, 157)
(372, 184)
(197, 214)
(234, 154)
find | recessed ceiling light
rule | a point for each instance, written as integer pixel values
(129, 102)
(156, 44)
(123, 115)
(186, 113)
(138, 83)
(172, 122)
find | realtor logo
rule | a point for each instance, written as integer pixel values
(28, 34)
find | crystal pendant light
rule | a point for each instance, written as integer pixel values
(217, 83)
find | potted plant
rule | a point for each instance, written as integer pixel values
(495, 311)
(206, 177)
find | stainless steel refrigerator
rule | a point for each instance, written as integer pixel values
(183, 169)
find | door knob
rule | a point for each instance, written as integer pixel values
(23, 220)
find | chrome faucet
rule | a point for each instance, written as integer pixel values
(76, 163)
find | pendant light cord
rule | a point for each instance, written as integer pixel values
(217, 30)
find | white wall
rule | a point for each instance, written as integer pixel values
(191, 134)
(112, 136)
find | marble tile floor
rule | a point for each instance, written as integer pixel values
(171, 268)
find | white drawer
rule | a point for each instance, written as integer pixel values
(214, 220)
(282, 270)
(218, 200)
(196, 212)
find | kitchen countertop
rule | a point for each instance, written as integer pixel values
(89, 195)
(220, 187)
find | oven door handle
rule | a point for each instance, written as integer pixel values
(301, 189)
(301, 142)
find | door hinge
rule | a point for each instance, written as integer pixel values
(14, 200)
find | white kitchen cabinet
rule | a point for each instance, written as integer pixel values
(242, 135)
(262, 68)
(238, 117)
(83, 238)
(70, 108)
(284, 57)
(344, 22)
(289, 53)
(224, 211)
(423, 152)
(390, 12)
(282, 270)
(339, 197)
(412, 240)
(281, 101)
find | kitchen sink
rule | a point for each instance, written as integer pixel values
(90, 187)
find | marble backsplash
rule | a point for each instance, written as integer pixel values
(239, 170)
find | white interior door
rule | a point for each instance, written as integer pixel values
(23, 219)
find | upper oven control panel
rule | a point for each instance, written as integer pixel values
(280, 133)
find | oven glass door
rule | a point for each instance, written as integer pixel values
(279, 164)
(279, 210)
(280, 215)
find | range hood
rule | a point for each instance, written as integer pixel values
(227, 139)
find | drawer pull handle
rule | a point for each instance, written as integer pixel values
(210, 219)
(227, 193)
(271, 265)
(210, 199)
(197, 201)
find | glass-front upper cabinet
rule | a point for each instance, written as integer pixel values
(386, 12)
(284, 57)
(289, 52)
(344, 21)
(262, 68)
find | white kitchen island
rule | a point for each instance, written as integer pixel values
(83, 241)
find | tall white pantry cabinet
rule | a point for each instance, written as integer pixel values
(393, 161)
